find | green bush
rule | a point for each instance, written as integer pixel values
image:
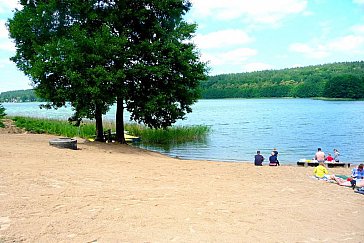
(2, 115)
(58, 127)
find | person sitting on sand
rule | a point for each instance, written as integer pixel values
(329, 158)
(273, 160)
(320, 156)
(356, 179)
(358, 172)
(321, 171)
(258, 159)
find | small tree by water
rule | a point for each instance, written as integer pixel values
(2, 114)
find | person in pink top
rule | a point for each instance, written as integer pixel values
(320, 156)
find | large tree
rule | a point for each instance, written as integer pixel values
(67, 51)
(93, 53)
(163, 70)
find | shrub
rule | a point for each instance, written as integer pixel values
(2, 115)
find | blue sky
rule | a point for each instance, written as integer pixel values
(249, 35)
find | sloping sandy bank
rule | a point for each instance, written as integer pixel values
(109, 193)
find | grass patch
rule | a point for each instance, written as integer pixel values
(336, 99)
(57, 127)
(172, 135)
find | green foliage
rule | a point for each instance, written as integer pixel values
(345, 86)
(2, 114)
(93, 53)
(19, 96)
(57, 127)
(2, 111)
(311, 81)
(171, 135)
(163, 86)
(87, 130)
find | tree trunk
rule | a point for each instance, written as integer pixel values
(99, 126)
(120, 121)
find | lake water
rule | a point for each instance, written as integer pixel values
(296, 127)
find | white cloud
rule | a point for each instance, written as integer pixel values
(222, 38)
(5, 62)
(8, 5)
(258, 11)
(3, 30)
(358, 29)
(317, 52)
(256, 66)
(5, 43)
(296, 65)
(233, 57)
(347, 43)
(358, 1)
(351, 44)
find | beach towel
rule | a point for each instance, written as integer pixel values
(323, 179)
(360, 190)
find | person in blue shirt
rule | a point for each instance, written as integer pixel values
(357, 178)
(273, 159)
(358, 173)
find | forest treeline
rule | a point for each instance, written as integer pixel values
(27, 95)
(337, 80)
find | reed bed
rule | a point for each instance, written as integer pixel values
(171, 135)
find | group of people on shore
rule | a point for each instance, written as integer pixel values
(320, 156)
(273, 158)
(355, 180)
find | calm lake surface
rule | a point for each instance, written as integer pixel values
(296, 127)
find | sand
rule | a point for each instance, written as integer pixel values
(117, 193)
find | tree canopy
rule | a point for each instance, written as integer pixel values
(94, 53)
(345, 86)
(311, 81)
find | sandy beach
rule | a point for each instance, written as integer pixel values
(117, 193)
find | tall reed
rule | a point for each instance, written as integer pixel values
(172, 135)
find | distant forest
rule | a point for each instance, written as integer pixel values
(27, 95)
(337, 80)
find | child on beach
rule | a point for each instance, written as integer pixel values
(321, 172)
(336, 155)
(329, 158)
